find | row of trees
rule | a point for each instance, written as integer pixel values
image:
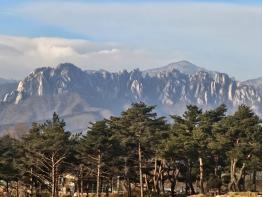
(144, 150)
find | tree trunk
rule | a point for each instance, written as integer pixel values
(107, 190)
(254, 180)
(53, 189)
(240, 177)
(129, 188)
(146, 181)
(98, 175)
(17, 188)
(232, 176)
(140, 168)
(189, 179)
(162, 183)
(111, 185)
(157, 178)
(77, 187)
(56, 180)
(192, 188)
(31, 181)
(201, 168)
(235, 182)
(7, 188)
(118, 184)
(172, 188)
(158, 187)
(172, 178)
(81, 180)
(155, 181)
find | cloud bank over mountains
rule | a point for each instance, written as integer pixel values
(19, 55)
(219, 35)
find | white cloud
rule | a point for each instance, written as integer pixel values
(219, 36)
(143, 22)
(20, 55)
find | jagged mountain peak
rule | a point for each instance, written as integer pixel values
(63, 71)
(46, 81)
(41, 69)
(68, 66)
(183, 66)
(60, 69)
(169, 88)
(254, 82)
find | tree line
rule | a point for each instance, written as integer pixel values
(202, 149)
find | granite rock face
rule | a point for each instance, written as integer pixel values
(81, 96)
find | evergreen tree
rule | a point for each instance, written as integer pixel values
(239, 136)
(203, 135)
(46, 146)
(140, 127)
(10, 156)
(141, 148)
(182, 145)
(98, 147)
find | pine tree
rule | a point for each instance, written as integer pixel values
(46, 147)
(10, 158)
(98, 147)
(139, 128)
(182, 146)
(203, 134)
(239, 136)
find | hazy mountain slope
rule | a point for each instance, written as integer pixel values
(256, 83)
(83, 96)
(6, 85)
(182, 66)
(6, 81)
(6, 88)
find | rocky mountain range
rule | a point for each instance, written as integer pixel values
(81, 96)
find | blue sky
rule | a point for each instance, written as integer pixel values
(12, 2)
(114, 35)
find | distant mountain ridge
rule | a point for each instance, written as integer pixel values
(182, 66)
(83, 96)
(6, 85)
(5, 81)
(256, 83)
